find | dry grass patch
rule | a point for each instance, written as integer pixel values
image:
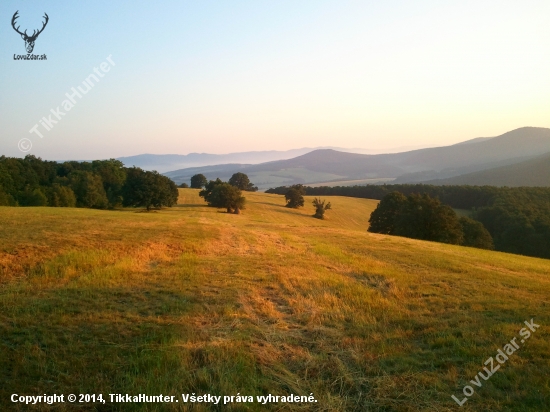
(191, 299)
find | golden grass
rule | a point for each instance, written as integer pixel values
(190, 299)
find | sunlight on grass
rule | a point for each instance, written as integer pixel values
(190, 299)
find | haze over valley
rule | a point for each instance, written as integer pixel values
(333, 167)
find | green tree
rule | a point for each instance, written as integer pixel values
(207, 191)
(242, 182)
(61, 196)
(113, 176)
(423, 217)
(295, 196)
(475, 234)
(7, 187)
(88, 189)
(6, 199)
(198, 181)
(320, 208)
(184, 186)
(224, 195)
(33, 197)
(384, 217)
(148, 189)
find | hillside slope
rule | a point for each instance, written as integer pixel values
(516, 144)
(193, 300)
(535, 172)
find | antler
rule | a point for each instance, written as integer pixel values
(43, 25)
(15, 16)
(34, 33)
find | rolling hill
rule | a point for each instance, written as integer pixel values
(534, 172)
(164, 163)
(407, 167)
(190, 300)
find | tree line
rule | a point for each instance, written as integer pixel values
(100, 184)
(517, 218)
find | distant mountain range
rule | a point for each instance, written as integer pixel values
(328, 165)
(164, 163)
(167, 162)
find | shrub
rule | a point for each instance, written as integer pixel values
(320, 208)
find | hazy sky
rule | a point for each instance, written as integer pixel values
(228, 76)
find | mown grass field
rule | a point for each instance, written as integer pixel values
(193, 300)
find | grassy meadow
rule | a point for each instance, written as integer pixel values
(272, 301)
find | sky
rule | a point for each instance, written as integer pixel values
(231, 76)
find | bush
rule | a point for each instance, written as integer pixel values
(320, 208)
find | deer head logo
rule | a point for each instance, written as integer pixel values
(29, 40)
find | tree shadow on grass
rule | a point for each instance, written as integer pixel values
(270, 204)
(185, 205)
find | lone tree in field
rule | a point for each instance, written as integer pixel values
(198, 181)
(184, 186)
(295, 196)
(242, 182)
(223, 195)
(148, 189)
(320, 208)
